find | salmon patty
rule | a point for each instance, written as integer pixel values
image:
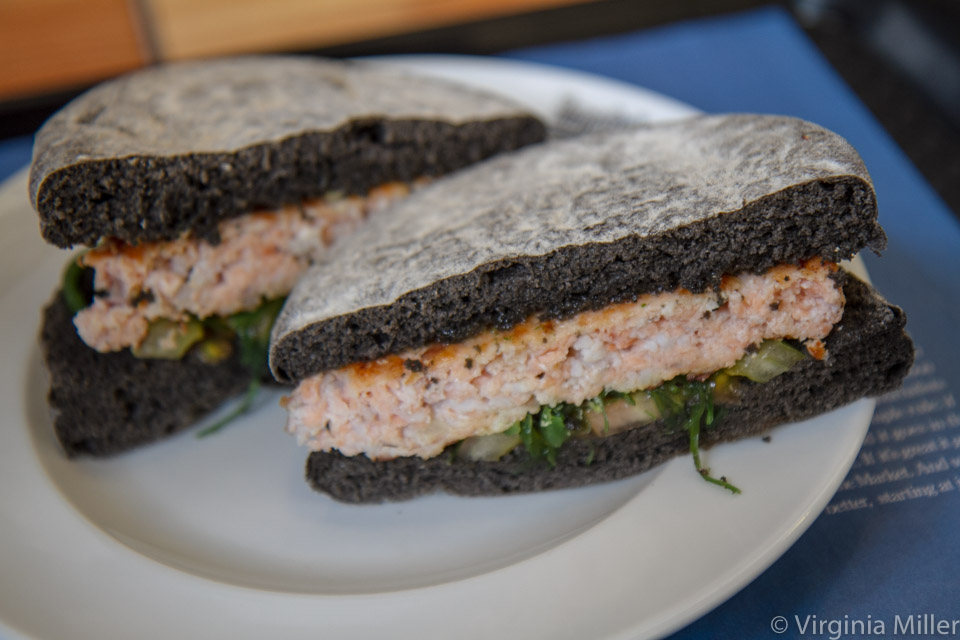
(418, 402)
(260, 256)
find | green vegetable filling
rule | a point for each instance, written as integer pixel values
(772, 358)
(213, 338)
(682, 404)
(688, 405)
(72, 289)
(252, 332)
(169, 339)
(543, 434)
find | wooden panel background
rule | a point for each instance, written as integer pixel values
(193, 28)
(55, 45)
(50, 45)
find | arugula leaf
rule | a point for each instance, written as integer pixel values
(553, 428)
(531, 438)
(688, 405)
(241, 409)
(542, 434)
(252, 329)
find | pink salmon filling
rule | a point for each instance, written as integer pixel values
(418, 402)
(260, 256)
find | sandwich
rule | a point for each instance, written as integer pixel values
(583, 310)
(201, 191)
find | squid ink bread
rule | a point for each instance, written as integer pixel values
(586, 309)
(181, 147)
(202, 190)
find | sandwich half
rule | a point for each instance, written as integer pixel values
(201, 192)
(583, 310)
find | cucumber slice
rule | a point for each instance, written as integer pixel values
(487, 448)
(169, 339)
(766, 363)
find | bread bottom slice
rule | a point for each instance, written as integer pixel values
(869, 354)
(107, 403)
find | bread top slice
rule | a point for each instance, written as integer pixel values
(181, 146)
(578, 224)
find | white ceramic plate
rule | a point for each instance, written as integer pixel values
(221, 537)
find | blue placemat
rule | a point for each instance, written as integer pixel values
(882, 560)
(14, 154)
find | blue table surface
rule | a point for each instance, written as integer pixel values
(885, 552)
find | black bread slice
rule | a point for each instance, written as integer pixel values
(182, 146)
(563, 227)
(869, 354)
(591, 276)
(106, 403)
